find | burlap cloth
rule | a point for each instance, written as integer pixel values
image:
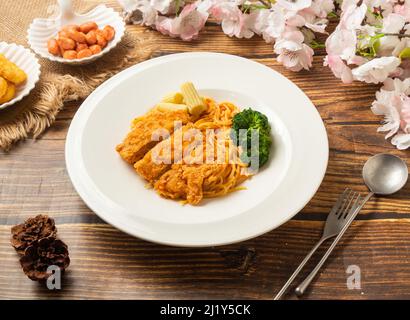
(59, 83)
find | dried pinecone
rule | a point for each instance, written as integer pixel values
(42, 254)
(33, 229)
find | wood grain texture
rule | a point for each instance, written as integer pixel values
(107, 263)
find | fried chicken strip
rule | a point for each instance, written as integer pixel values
(139, 141)
(187, 182)
(151, 168)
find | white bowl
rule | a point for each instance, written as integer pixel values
(26, 60)
(42, 30)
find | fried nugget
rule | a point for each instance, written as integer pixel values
(11, 72)
(3, 87)
(10, 93)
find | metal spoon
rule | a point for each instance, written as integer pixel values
(383, 174)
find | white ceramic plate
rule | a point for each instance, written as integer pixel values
(112, 189)
(25, 60)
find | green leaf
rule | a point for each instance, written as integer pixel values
(317, 45)
(405, 53)
(248, 7)
(332, 14)
(376, 46)
(178, 4)
(370, 49)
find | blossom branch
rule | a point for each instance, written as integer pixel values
(266, 4)
(400, 35)
(289, 24)
(371, 48)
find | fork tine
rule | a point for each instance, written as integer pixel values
(348, 209)
(356, 204)
(345, 201)
(339, 201)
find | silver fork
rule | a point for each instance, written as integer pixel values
(338, 217)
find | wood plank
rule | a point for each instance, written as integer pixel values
(107, 263)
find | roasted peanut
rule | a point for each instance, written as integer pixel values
(80, 41)
(53, 47)
(77, 36)
(81, 46)
(91, 37)
(70, 55)
(88, 26)
(63, 34)
(109, 33)
(84, 53)
(100, 32)
(95, 49)
(66, 43)
(71, 27)
(101, 41)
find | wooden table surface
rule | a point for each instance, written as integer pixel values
(107, 263)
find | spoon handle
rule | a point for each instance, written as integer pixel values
(302, 287)
(302, 264)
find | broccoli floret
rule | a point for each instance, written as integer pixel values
(253, 120)
(250, 119)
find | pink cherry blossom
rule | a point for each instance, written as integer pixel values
(186, 25)
(164, 25)
(339, 68)
(268, 23)
(189, 22)
(296, 21)
(401, 141)
(233, 21)
(376, 70)
(342, 42)
(393, 23)
(403, 43)
(405, 112)
(403, 10)
(139, 12)
(393, 102)
(397, 86)
(165, 6)
(352, 15)
(314, 23)
(320, 8)
(292, 52)
(294, 5)
(387, 105)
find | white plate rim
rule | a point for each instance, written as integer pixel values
(81, 188)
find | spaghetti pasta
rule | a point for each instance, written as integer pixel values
(221, 171)
(210, 167)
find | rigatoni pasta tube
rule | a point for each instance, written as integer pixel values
(192, 99)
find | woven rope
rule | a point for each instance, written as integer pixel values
(59, 83)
